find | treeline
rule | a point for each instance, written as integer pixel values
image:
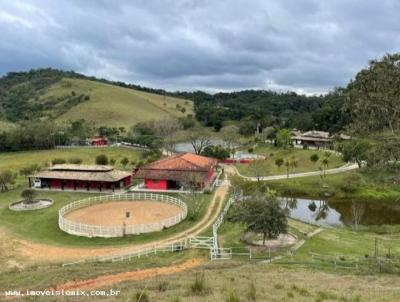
(44, 135)
(261, 108)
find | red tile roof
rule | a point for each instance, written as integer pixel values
(177, 167)
(183, 162)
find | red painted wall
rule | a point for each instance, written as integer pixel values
(55, 183)
(155, 184)
(127, 182)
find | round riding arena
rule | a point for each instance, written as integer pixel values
(121, 214)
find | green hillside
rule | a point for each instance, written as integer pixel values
(115, 106)
(49, 94)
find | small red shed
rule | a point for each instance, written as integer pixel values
(99, 141)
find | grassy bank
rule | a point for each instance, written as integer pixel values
(362, 185)
(304, 164)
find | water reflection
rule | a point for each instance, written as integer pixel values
(333, 213)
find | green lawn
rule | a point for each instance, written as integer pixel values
(42, 225)
(14, 161)
(302, 156)
(374, 185)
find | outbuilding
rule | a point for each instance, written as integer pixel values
(81, 178)
(177, 172)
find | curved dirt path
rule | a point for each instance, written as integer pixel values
(36, 252)
(107, 280)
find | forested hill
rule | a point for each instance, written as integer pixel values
(268, 108)
(56, 94)
(49, 94)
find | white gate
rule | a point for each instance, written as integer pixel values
(201, 242)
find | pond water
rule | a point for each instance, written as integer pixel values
(240, 154)
(336, 213)
(187, 146)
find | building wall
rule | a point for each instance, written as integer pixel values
(156, 184)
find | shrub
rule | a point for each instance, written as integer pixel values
(142, 297)
(28, 195)
(58, 161)
(162, 286)
(112, 161)
(124, 161)
(75, 160)
(252, 293)
(207, 191)
(198, 287)
(250, 150)
(29, 170)
(232, 297)
(101, 159)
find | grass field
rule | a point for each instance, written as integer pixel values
(222, 281)
(115, 106)
(304, 163)
(14, 161)
(374, 185)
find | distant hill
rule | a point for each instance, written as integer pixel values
(53, 94)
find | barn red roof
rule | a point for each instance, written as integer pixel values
(177, 167)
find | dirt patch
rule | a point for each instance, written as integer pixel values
(114, 213)
(107, 280)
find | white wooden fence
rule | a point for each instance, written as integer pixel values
(88, 230)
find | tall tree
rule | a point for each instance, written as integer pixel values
(373, 98)
(262, 213)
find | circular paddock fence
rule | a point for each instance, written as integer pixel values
(88, 207)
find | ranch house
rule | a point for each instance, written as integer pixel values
(81, 178)
(178, 172)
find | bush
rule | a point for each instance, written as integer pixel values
(232, 297)
(101, 159)
(124, 161)
(29, 170)
(29, 195)
(112, 161)
(75, 160)
(58, 161)
(142, 297)
(198, 287)
(162, 286)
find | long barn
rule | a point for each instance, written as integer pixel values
(81, 178)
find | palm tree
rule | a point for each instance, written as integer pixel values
(325, 163)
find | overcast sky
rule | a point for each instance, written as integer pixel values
(302, 45)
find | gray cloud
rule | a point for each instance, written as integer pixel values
(309, 46)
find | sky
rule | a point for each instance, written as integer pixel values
(306, 46)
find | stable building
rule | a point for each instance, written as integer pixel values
(177, 172)
(73, 177)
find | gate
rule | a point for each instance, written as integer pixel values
(201, 242)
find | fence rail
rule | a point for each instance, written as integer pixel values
(88, 230)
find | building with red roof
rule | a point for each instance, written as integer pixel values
(99, 141)
(178, 171)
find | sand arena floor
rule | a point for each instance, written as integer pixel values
(114, 213)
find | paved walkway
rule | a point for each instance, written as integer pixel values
(344, 168)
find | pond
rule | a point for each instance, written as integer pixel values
(187, 146)
(335, 213)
